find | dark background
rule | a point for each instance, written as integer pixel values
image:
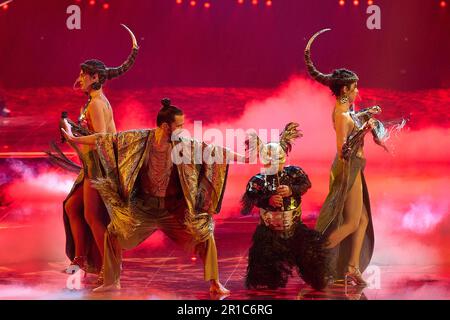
(228, 45)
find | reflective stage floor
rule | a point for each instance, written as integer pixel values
(163, 271)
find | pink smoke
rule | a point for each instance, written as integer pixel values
(408, 187)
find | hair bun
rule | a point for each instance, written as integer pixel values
(165, 102)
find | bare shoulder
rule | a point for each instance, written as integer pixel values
(97, 103)
(97, 106)
(342, 117)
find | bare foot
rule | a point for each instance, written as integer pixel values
(109, 287)
(217, 288)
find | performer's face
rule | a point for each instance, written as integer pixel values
(85, 81)
(351, 92)
(177, 124)
(273, 157)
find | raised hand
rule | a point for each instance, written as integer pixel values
(68, 135)
(375, 110)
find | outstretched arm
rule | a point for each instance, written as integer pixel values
(237, 157)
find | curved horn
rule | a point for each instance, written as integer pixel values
(133, 38)
(312, 70)
(115, 72)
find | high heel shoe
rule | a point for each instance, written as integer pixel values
(78, 263)
(354, 276)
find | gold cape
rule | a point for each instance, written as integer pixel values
(122, 156)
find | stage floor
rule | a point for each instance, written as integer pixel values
(163, 271)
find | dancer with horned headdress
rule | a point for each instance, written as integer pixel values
(345, 218)
(85, 216)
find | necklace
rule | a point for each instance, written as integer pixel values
(82, 116)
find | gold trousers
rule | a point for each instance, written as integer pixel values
(153, 214)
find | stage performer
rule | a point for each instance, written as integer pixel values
(85, 216)
(345, 218)
(281, 240)
(147, 187)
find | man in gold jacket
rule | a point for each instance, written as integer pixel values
(153, 182)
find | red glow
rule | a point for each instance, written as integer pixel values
(254, 2)
(241, 1)
(193, 258)
(5, 7)
(269, 3)
(341, 2)
(106, 6)
(370, 2)
(443, 4)
(207, 5)
(179, 1)
(193, 3)
(92, 2)
(356, 2)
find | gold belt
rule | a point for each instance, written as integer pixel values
(278, 220)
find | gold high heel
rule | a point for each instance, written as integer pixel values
(354, 276)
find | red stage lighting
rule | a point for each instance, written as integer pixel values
(193, 3)
(254, 2)
(355, 2)
(443, 4)
(5, 7)
(92, 2)
(179, 1)
(193, 258)
(341, 2)
(207, 5)
(106, 6)
(370, 2)
(241, 1)
(268, 3)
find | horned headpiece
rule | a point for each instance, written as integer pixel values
(338, 78)
(104, 73)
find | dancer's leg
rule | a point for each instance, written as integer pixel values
(94, 214)
(352, 214)
(74, 210)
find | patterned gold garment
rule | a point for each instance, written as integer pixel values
(135, 215)
(122, 155)
(342, 178)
